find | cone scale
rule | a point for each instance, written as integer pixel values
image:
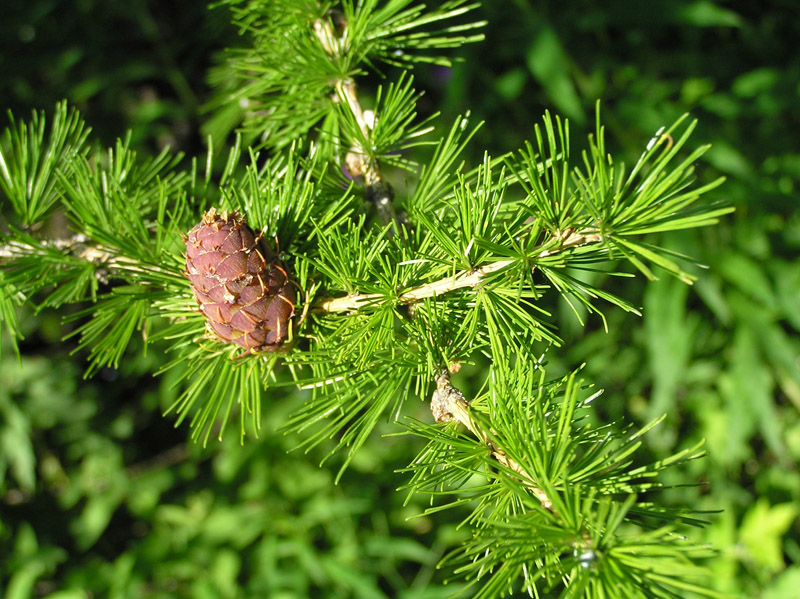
(241, 286)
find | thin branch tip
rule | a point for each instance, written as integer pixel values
(359, 163)
(448, 403)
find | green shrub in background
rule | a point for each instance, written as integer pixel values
(101, 494)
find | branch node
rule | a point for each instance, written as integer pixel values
(447, 402)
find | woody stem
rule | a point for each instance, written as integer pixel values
(377, 190)
(461, 280)
(448, 403)
(80, 247)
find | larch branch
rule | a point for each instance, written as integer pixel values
(79, 246)
(448, 404)
(462, 280)
(358, 161)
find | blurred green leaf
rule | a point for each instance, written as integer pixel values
(16, 449)
(356, 585)
(695, 88)
(762, 530)
(510, 84)
(67, 594)
(670, 336)
(785, 585)
(705, 13)
(225, 571)
(29, 562)
(753, 83)
(710, 289)
(729, 160)
(787, 287)
(96, 515)
(550, 65)
(748, 276)
(748, 392)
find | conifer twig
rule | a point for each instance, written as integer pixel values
(14, 248)
(78, 246)
(448, 403)
(464, 279)
(359, 163)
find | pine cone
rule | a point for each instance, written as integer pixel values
(242, 288)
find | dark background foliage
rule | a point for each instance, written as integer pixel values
(101, 495)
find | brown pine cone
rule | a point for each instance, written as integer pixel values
(242, 288)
